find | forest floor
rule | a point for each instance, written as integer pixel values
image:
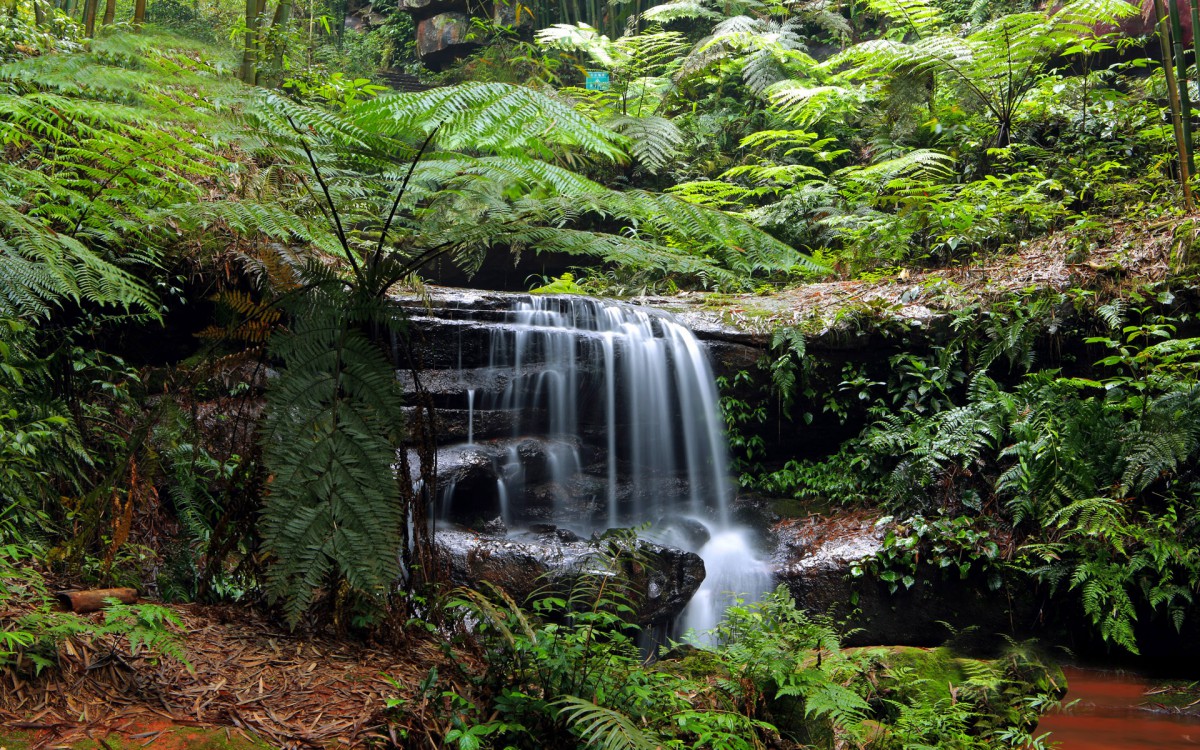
(248, 683)
(1134, 253)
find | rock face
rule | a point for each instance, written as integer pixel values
(815, 557)
(515, 478)
(547, 557)
(443, 26)
(443, 36)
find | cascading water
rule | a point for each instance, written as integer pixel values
(627, 404)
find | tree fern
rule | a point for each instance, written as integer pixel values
(919, 16)
(653, 141)
(329, 440)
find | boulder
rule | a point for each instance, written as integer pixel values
(443, 37)
(557, 558)
(816, 556)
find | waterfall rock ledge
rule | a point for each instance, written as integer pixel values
(526, 565)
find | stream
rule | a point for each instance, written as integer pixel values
(1112, 714)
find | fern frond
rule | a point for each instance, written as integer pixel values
(602, 727)
(654, 141)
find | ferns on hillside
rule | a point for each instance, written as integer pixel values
(99, 153)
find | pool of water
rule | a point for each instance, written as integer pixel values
(1112, 714)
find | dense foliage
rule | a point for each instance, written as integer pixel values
(1084, 476)
(566, 671)
(198, 353)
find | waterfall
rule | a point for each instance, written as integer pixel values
(624, 407)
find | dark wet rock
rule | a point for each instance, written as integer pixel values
(442, 37)
(454, 384)
(566, 535)
(544, 532)
(668, 579)
(815, 558)
(495, 526)
(681, 531)
(755, 510)
(457, 425)
(469, 477)
(414, 6)
(506, 13)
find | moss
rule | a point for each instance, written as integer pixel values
(172, 738)
(15, 739)
(693, 663)
(789, 508)
(922, 674)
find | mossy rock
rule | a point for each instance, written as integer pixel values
(693, 663)
(789, 508)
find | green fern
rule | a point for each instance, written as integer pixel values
(602, 727)
(332, 427)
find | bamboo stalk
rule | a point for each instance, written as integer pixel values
(1195, 6)
(1185, 177)
(89, 18)
(1185, 104)
(250, 49)
(283, 14)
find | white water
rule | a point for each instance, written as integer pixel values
(470, 415)
(734, 573)
(634, 387)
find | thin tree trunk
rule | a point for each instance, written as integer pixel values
(110, 12)
(139, 12)
(89, 17)
(250, 51)
(1185, 177)
(69, 7)
(1195, 35)
(283, 14)
(1185, 103)
(39, 13)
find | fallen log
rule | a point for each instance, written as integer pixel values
(93, 600)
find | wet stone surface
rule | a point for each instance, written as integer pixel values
(551, 556)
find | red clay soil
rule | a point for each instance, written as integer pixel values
(247, 676)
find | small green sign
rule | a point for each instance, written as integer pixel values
(597, 80)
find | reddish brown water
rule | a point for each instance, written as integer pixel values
(1108, 717)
